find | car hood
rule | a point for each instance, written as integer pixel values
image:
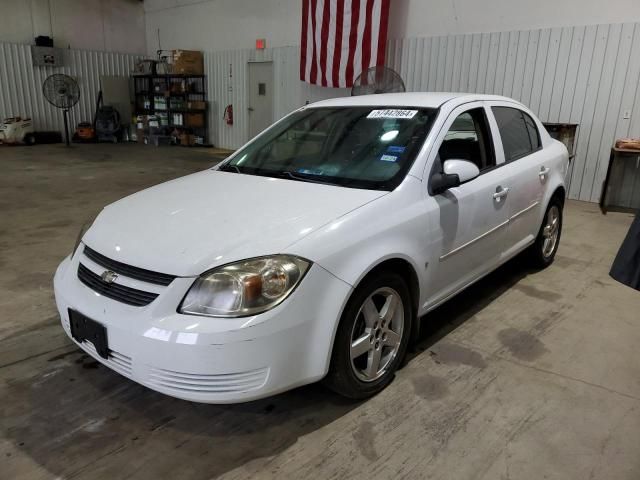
(189, 225)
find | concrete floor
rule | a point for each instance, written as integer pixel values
(524, 376)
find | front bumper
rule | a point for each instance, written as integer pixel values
(211, 360)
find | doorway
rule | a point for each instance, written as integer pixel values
(260, 96)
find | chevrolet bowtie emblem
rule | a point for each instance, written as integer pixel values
(108, 276)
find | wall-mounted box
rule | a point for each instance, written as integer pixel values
(47, 56)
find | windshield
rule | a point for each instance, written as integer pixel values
(358, 147)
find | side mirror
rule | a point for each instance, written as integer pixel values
(465, 169)
(456, 172)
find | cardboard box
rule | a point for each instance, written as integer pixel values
(195, 120)
(187, 139)
(196, 105)
(628, 144)
(188, 62)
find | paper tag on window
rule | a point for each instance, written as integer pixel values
(392, 113)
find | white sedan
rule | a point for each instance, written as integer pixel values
(312, 251)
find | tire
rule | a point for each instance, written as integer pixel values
(29, 139)
(543, 251)
(381, 338)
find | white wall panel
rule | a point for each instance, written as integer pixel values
(105, 25)
(289, 92)
(585, 75)
(21, 83)
(415, 18)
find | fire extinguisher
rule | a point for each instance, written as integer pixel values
(228, 114)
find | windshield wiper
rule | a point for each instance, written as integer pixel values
(303, 178)
(229, 168)
(273, 173)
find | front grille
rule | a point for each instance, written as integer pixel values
(127, 270)
(130, 296)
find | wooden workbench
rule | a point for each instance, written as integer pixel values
(621, 187)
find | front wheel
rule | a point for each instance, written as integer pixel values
(543, 251)
(372, 337)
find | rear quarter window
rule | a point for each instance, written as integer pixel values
(518, 131)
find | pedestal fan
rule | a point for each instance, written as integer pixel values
(62, 91)
(377, 80)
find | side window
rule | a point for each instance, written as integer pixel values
(534, 135)
(519, 133)
(468, 138)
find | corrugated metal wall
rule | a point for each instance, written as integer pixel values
(21, 83)
(585, 75)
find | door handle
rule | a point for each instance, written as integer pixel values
(500, 192)
(543, 172)
(250, 109)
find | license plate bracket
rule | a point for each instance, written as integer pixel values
(83, 328)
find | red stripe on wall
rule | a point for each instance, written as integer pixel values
(366, 37)
(337, 50)
(353, 40)
(303, 39)
(314, 63)
(324, 40)
(382, 35)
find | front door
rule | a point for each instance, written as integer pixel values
(260, 97)
(472, 218)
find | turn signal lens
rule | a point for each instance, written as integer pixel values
(245, 288)
(274, 282)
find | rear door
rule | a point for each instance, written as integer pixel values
(520, 145)
(472, 217)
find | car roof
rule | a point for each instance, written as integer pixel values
(412, 99)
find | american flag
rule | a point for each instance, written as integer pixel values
(341, 38)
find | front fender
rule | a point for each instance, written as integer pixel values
(393, 227)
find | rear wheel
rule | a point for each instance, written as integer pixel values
(372, 337)
(543, 251)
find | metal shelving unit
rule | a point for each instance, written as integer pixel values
(167, 98)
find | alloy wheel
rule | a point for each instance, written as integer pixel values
(551, 231)
(377, 334)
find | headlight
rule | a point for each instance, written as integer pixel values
(245, 288)
(83, 229)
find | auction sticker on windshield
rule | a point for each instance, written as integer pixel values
(392, 113)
